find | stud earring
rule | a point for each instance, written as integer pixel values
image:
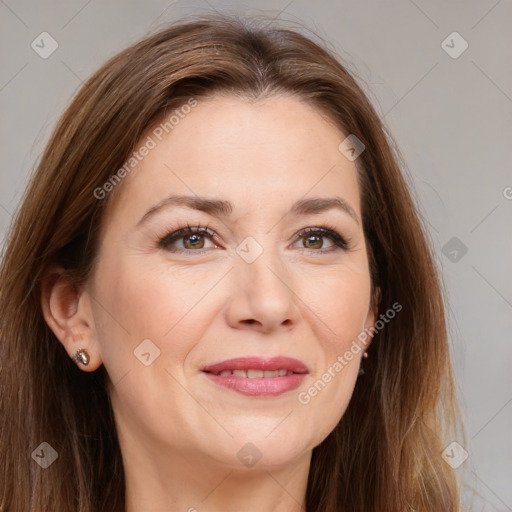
(81, 356)
(361, 366)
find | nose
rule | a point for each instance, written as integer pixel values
(264, 295)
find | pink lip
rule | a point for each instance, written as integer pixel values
(264, 386)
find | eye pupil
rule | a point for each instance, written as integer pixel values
(315, 239)
(195, 244)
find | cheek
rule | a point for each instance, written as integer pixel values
(342, 306)
(342, 301)
(139, 302)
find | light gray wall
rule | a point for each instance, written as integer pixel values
(452, 118)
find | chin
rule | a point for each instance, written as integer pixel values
(262, 451)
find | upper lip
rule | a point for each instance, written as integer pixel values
(258, 363)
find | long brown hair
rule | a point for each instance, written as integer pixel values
(385, 453)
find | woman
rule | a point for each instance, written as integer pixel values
(218, 294)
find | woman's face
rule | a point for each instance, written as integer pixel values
(254, 286)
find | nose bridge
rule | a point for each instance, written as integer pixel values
(265, 283)
(263, 270)
(261, 260)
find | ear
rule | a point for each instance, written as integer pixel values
(67, 312)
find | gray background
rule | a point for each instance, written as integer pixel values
(451, 117)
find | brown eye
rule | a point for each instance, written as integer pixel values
(187, 240)
(193, 241)
(313, 239)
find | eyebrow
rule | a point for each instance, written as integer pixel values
(223, 208)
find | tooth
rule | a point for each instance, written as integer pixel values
(289, 372)
(225, 373)
(252, 374)
(282, 373)
(239, 373)
(271, 373)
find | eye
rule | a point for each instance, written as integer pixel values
(312, 239)
(192, 239)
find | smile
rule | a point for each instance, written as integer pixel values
(256, 376)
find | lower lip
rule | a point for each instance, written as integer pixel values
(265, 386)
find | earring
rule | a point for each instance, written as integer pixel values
(361, 366)
(81, 356)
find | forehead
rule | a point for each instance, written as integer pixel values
(255, 153)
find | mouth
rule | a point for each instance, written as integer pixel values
(254, 373)
(257, 376)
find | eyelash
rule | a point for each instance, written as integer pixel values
(325, 231)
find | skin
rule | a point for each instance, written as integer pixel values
(179, 432)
